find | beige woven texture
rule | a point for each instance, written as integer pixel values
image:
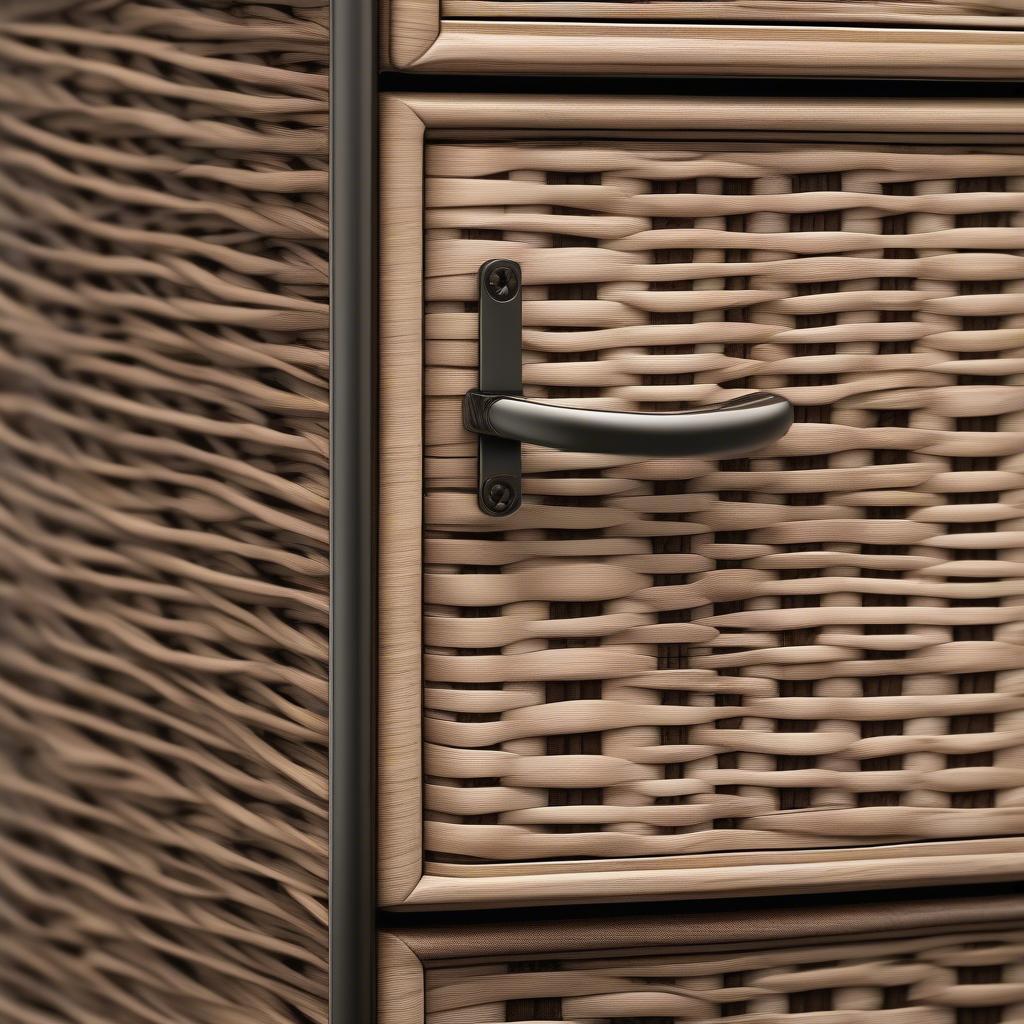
(977, 978)
(163, 512)
(816, 646)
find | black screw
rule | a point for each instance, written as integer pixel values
(498, 496)
(502, 283)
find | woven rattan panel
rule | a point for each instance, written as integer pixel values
(816, 646)
(934, 13)
(163, 512)
(963, 979)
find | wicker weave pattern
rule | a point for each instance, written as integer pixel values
(817, 646)
(971, 979)
(163, 512)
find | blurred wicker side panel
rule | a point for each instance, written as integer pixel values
(163, 512)
(816, 647)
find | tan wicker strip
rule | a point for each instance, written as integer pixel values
(163, 512)
(817, 646)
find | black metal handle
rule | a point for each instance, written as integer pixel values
(503, 419)
(739, 425)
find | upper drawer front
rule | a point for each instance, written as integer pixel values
(882, 38)
(683, 671)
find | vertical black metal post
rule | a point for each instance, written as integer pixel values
(353, 513)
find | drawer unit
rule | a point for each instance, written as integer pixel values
(952, 962)
(929, 39)
(796, 668)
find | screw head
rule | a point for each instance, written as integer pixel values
(498, 496)
(502, 283)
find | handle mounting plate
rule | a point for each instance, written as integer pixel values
(500, 339)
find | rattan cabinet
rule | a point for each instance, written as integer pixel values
(823, 38)
(494, 529)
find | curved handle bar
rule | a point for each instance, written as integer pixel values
(739, 425)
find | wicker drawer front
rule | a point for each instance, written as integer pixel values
(878, 38)
(800, 654)
(948, 964)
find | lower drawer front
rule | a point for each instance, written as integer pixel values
(952, 13)
(940, 964)
(680, 663)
